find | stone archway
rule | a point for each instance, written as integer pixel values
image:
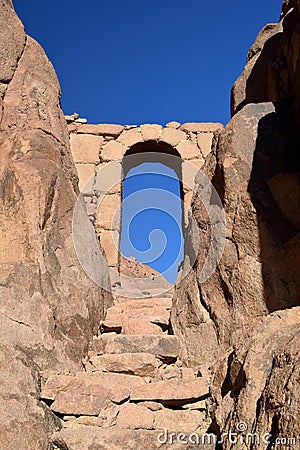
(164, 207)
(95, 146)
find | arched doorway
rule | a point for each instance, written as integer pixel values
(152, 211)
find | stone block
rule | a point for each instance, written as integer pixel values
(120, 439)
(171, 392)
(135, 417)
(109, 241)
(198, 162)
(108, 178)
(130, 137)
(85, 172)
(85, 148)
(204, 141)
(88, 393)
(188, 421)
(140, 364)
(101, 129)
(172, 136)
(151, 132)
(140, 326)
(200, 127)
(162, 346)
(188, 150)
(109, 212)
(112, 151)
(173, 124)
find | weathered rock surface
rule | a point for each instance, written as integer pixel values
(260, 387)
(119, 439)
(171, 392)
(127, 391)
(238, 312)
(141, 364)
(162, 346)
(49, 308)
(135, 417)
(272, 71)
(235, 353)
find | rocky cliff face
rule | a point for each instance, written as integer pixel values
(238, 331)
(256, 170)
(49, 308)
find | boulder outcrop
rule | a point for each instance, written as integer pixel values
(49, 308)
(246, 313)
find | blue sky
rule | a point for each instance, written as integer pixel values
(152, 218)
(134, 62)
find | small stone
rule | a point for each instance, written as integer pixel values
(109, 415)
(170, 372)
(153, 406)
(90, 421)
(173, 124)
(201, 405)
(81, 120)
(71, 117)
(69, 418)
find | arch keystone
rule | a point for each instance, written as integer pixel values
(130, 137)
(151, 132)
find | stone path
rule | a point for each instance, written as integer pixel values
(133, 387)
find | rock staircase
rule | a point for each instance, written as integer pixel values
(133, 387)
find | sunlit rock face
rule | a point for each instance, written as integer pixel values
(49, 307)
(256, 170)
(78, 371)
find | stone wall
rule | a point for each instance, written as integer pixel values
(95, 146)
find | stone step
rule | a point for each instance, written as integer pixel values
(164, 346)
(137, 317)
(154, 313)
(177, 420)
(140, 364)
(91, 437)
(125, 325)
(126, 302)
(171, 392)
(87, 393)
